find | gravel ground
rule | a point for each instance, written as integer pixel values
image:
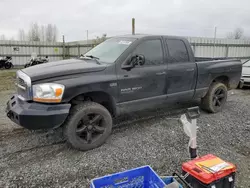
(155, 138)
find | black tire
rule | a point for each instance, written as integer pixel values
(80, 115)
(8, 65)
(215, 98)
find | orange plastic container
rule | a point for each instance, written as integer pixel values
(209, 171)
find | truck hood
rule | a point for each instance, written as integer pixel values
(62, 68)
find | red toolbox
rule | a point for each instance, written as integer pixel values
(209, 171)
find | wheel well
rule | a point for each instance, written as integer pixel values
(222, 79)
(99, 97)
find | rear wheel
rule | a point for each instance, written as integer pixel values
(88, 126)
(215, 98)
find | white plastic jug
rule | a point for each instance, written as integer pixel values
(190, 129)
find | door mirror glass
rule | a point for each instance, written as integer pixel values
(135, 60)
(138, 60)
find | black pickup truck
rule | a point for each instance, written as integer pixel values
(122, 74)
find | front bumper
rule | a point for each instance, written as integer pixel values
(246, 81)
(36, 115)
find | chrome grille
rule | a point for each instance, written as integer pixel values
(21, 82)
(23, 86)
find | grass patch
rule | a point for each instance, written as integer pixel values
(7, 79)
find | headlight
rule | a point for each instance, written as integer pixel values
(48, 92)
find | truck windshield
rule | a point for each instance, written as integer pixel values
(246, 64)
(109, 50)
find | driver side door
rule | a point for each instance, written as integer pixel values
(144, 85)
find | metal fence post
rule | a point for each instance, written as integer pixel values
(39, 51)
(78, 50)
(227, 50)
(63, 47)
(215, 31)
(194, 49)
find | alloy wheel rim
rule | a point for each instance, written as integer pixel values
(90, 128)
(219, 97)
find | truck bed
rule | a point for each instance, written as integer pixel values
(228, 69)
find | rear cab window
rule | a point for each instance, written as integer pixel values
(177, 51)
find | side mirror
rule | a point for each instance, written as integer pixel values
(127, 67)
(136, 60)
(139, 60)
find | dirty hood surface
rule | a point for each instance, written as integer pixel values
(62, 68)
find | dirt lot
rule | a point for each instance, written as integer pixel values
(155, 138)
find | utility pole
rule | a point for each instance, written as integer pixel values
(215, 32)
(63, 47)
(87, 32)
(133, 26)
(87, 37)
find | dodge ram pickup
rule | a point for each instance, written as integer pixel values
(123, 74)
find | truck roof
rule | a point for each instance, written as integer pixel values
(138, 36)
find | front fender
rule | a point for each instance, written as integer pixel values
(91, 83)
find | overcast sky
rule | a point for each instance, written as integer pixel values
(170, 17)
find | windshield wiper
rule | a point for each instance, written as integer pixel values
(93, 57)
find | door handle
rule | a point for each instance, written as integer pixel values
(189, 70)
(160, 73)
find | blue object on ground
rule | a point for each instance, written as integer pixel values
(167, 180)
(142, 177)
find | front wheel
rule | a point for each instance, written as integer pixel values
(88, 126)
(8, 65)
(215, 98)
